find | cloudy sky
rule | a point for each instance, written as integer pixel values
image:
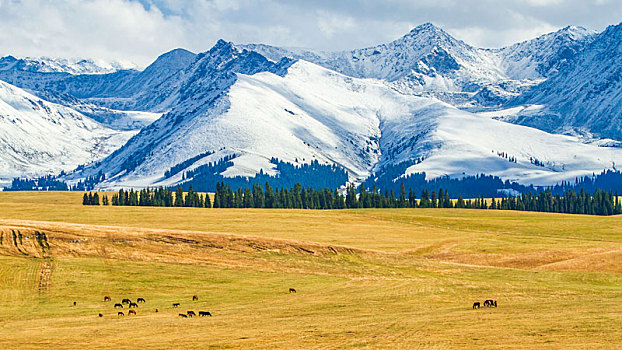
(140, 30)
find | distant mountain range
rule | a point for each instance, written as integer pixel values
(537, 112)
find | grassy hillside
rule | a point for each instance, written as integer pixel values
(364, 278)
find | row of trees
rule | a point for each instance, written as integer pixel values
(298, 197)
(161, 197)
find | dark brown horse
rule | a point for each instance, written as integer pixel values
(120, 313)
(476, 305)
(183, 315)
(292, 290)
(140, 300)
(107, 298)
(131, 312)
(191, 313)
(118, 305)
(175, 304)
(126, 301)
(195, 298)
(133, 304)
(204, 313)
(100, 315)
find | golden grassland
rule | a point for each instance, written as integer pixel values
(377, 278)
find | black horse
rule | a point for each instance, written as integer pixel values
(118, 305)
(191, 313)
(133, 304)
(183, 315)
(120, 313)
(204, 313)
(175, 304)
(100, 315)
(140, 300)
(292, 290)
(490, 303)
(476, 305)
(126, 301)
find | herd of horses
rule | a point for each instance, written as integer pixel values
(487, 303)
(134, 305)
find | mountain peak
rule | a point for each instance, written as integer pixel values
(428, 29)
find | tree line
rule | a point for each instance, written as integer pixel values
(299, 197)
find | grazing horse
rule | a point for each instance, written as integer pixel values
(120, 313)
(140, 300)
(204, 313)
(107, 298)
(133, 305)
(488, 302)
(292, 290)
(131, 312)
(100, 315)
(195, 298)
(74, 303)
(476, 305)
(183, 315)
(126, 301)
(175, 304)
(118, 305)
(191, 313)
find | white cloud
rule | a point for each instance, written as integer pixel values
(140, 30)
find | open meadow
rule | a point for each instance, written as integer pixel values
(375, 278)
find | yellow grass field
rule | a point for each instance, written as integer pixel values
(377, 278)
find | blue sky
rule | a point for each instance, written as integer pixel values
(140, 30)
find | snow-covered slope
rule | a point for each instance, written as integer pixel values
(545, 55)
(311, 113)
(585, 96)
(39, 137)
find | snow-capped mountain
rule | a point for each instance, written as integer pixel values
(426, 100)
(429, 62)
(38, 137)
(237, 103)
(62, 65)
(585, 96)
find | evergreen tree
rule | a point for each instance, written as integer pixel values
(179, 197)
